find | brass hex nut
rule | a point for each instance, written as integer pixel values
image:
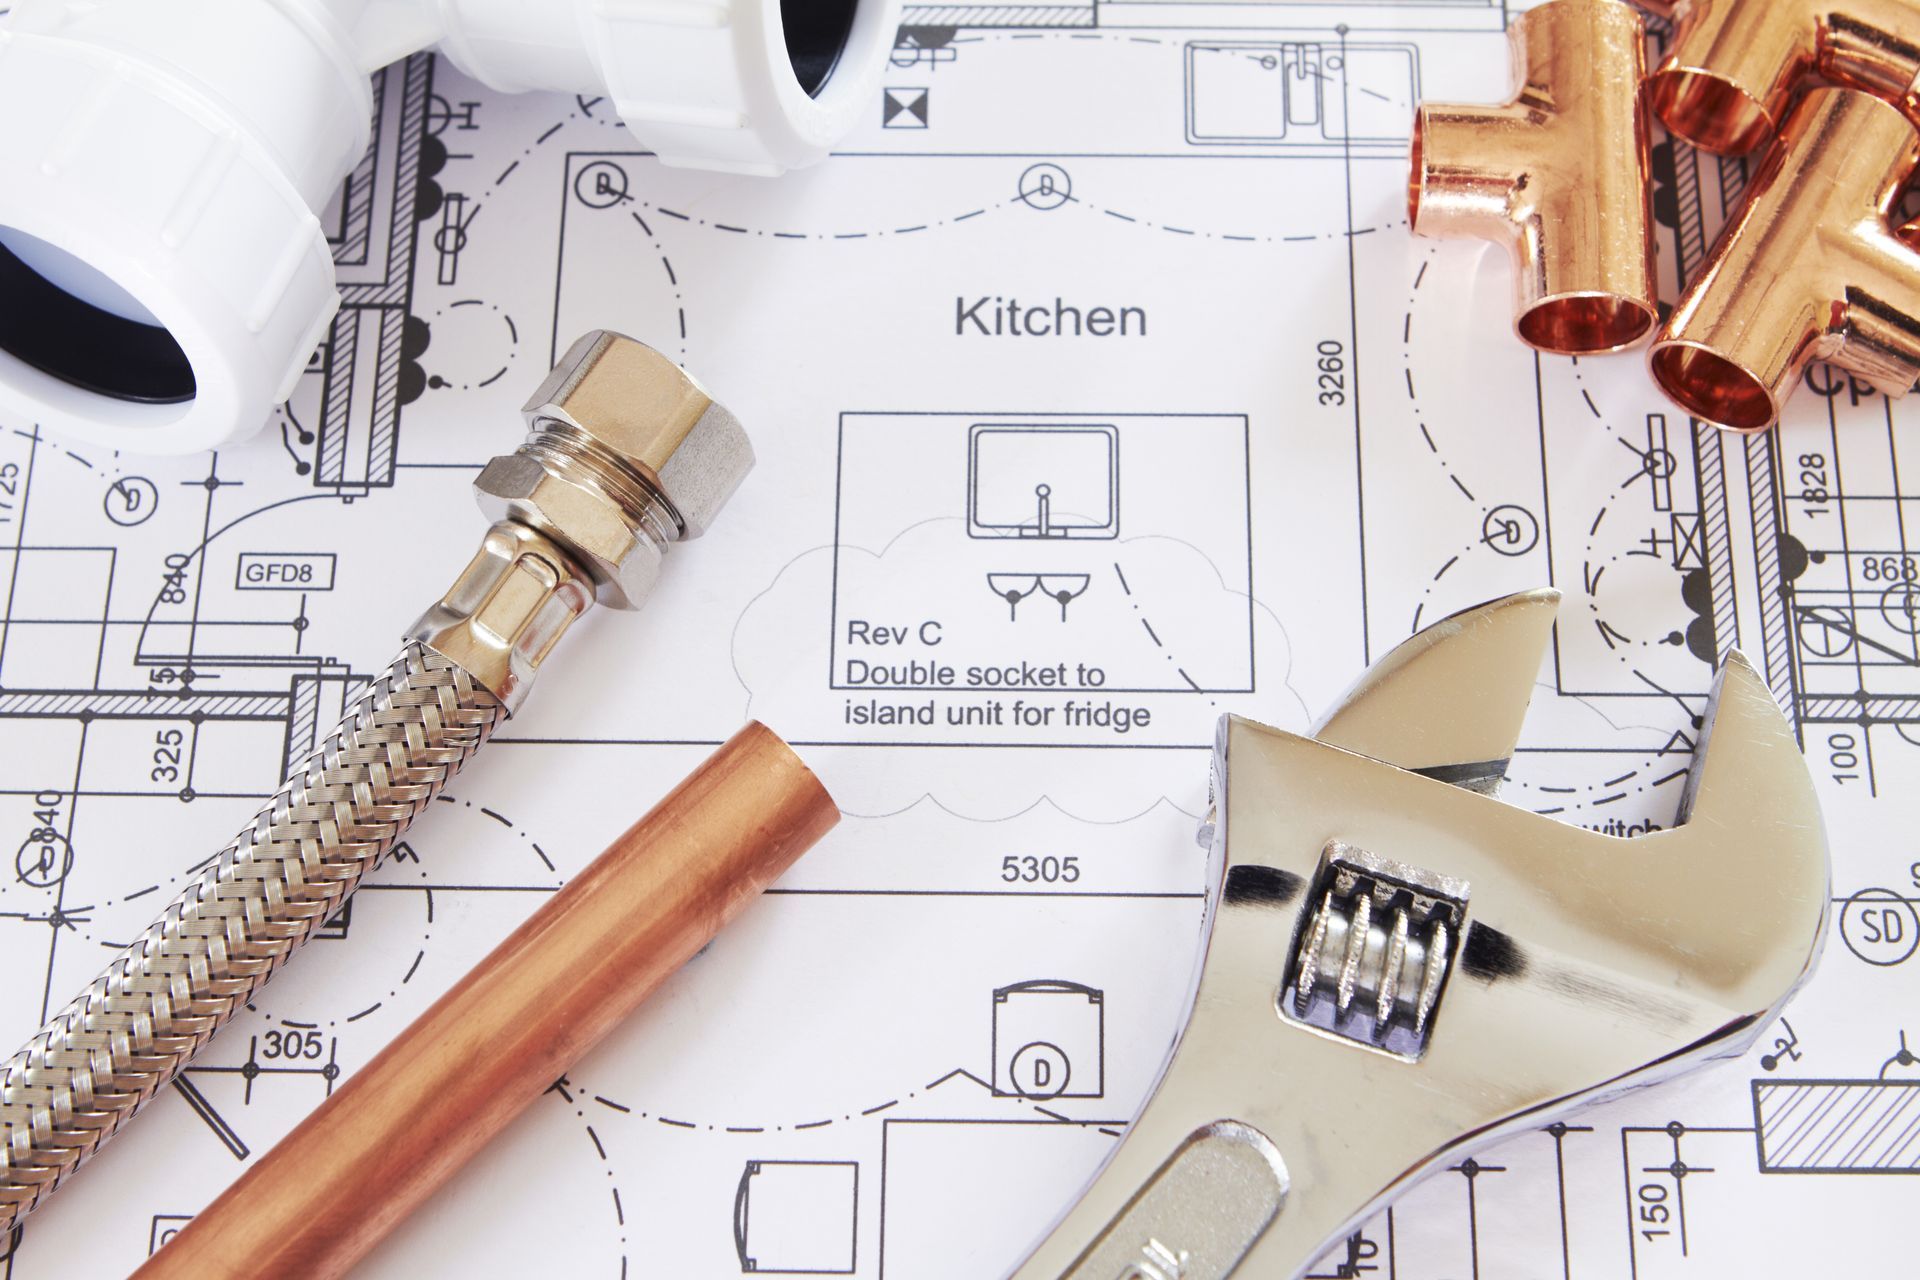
(646, 411)
(614, 548)
(625, 454)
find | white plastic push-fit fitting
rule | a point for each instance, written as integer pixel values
(163, 272)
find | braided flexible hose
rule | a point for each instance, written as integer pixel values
(103, 1057)
(626, 454)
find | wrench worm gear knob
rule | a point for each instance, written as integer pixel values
(164, 277)
(1558, 175)
(645, 457)
(1812, 268)
(1398, 968)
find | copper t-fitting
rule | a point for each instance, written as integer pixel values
(1812, 269)
(1558, 175)
(1726, 83)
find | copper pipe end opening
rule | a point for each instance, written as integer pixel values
(1556, 176)
(1713, 388)
(1709, 111)
(1585, 324)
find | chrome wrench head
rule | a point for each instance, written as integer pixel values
(1448, 701)
(1399, 970)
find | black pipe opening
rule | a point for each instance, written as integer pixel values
(79, 343)
(817, 33)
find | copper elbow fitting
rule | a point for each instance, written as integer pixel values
(1812, 269)
(1726, 83)
(1559, 175)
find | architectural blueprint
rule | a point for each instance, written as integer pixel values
(1099, 388)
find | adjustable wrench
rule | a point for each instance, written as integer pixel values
(1399, 969)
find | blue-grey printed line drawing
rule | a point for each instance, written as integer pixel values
(172, 633)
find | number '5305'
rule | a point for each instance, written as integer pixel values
(1030, 869)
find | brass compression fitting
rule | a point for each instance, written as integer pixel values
(626, 454)
(1558, 175)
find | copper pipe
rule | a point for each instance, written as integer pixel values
(396, 1131)
(1559, 175)
(1733, 68)
(1812, 269)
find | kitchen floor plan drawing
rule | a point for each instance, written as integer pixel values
(1099, 390)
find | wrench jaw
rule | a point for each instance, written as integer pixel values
(1750, 843)
(1583, 965)
(1448, 701)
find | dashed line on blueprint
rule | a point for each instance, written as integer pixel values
(710, 1126)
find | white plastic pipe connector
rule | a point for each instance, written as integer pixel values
(164, 276)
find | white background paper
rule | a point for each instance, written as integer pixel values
(837, 1085)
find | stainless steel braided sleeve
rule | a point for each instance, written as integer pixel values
(626, 455)
(102, 1058)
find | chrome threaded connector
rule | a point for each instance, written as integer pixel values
(625, 454)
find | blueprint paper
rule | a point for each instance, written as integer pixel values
(1153, 258)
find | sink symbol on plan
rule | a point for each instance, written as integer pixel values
(1043, 481)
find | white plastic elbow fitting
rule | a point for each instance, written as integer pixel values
(163, 272)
